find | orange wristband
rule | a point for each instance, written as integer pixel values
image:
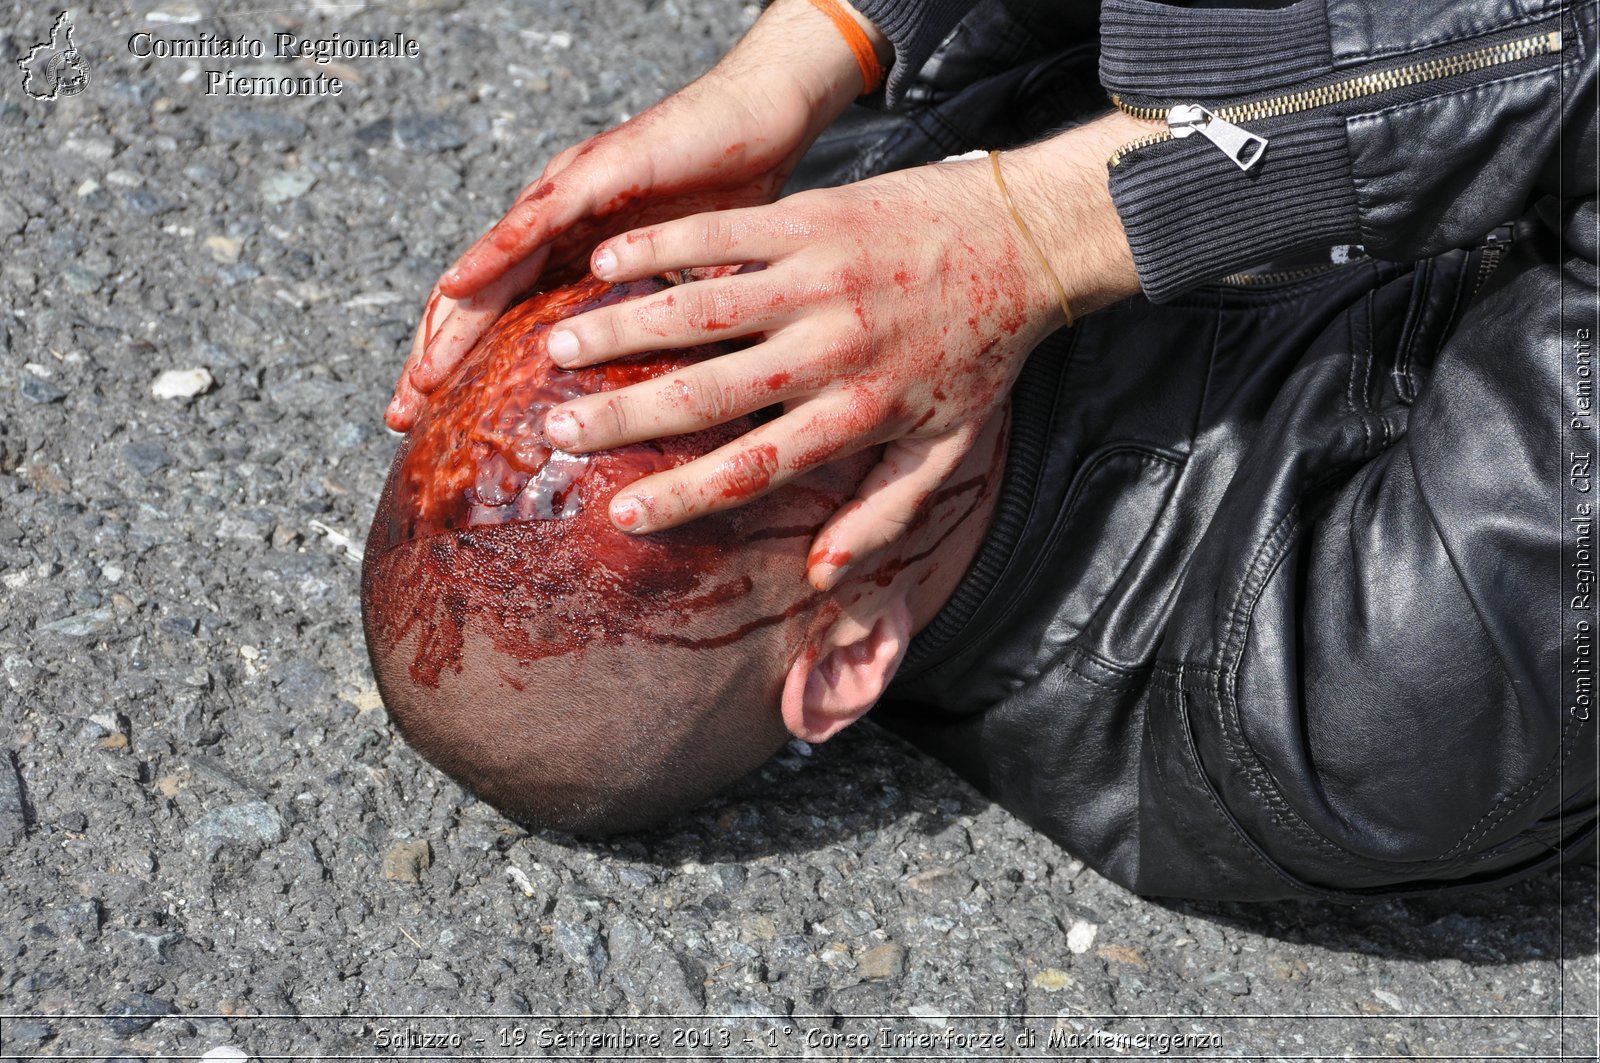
(856, 37)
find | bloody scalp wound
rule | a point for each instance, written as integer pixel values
(478, 454)
(484, 526)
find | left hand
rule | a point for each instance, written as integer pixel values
(895, 311)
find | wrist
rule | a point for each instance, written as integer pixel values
(1060, 186)
(796, 44)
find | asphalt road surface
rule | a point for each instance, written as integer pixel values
(211, 840)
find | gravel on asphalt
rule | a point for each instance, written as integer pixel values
(211, 839)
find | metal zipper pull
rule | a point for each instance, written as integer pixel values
(1240, 145)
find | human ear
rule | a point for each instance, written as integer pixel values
(833, 687)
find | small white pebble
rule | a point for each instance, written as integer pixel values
(224, 249)
(178, 15)
(339, 539)
(520, 877)
(182, 383)
(226, 1054)
(1390, 999)
(1080, 937)
(835, 955)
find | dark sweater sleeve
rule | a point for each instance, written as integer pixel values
(1384, 128)
(915, 28)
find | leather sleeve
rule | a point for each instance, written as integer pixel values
(1428, 163)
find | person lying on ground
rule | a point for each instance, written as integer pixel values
(1286, 586)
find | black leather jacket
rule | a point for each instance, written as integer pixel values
(1291, 584)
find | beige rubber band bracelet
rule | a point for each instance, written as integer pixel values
(1027, 234)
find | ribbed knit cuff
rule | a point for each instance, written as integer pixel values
(1191, 215)
(915, 28)
(1178, 54)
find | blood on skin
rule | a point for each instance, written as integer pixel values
(454, 545)
(483, 525)
(571, 245)
(427, 331)
(627, 518)
(979, 486)
(855, 282)
(835, 558)
(622, 199)
(747, 473)
(833, 429)
(481, 457)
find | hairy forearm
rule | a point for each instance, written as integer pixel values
(795, 47)
(1060, 187)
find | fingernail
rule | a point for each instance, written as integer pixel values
(825, 577)
(561, 428)
(562, 345)
(627, 514)
(605, 263)
(825, 568)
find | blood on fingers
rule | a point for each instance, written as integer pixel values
(428, 331)
(746, 473)
(832, 558)
(476, 529)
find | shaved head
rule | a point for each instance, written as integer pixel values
(568, 673)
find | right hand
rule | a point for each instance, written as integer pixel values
(730, 139)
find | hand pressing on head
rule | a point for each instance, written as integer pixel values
(896, 311)
(729, 139)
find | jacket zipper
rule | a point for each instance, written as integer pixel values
(1490, 255)
(1244, 148)
(1279, 276)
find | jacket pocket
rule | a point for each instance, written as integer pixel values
(1100, 554)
